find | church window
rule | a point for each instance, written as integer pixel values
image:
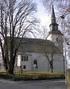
(24, 58)
(35, 64)
(24, 66)
(35, 61)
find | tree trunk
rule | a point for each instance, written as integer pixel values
(11, 66)
(51, 63)
(51, 66)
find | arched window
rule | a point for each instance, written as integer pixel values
(35, 64)
(24, 66)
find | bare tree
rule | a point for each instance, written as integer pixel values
(16, 20)
(49, 53)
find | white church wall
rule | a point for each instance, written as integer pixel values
(49, 37)
(21, 64)
(27, 64)
(58, 63)
(42, 62)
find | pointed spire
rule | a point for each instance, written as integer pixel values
(53, 18)
(54, 25)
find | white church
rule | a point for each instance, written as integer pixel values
(42, 55)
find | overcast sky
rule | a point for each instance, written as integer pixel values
(42, 14)
(44, 9)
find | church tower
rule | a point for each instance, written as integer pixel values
(55, 35)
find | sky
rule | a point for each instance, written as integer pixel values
(44, 10)
(42, 14)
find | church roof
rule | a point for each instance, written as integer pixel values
(36, 45)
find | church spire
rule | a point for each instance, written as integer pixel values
(53, 25)
(53, 18)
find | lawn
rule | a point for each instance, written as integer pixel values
(28, 75)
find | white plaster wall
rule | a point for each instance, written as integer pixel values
(58, 63)
(49, 37)
(43, 64)
(27, 63)
(59, 43)
(41, 61)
